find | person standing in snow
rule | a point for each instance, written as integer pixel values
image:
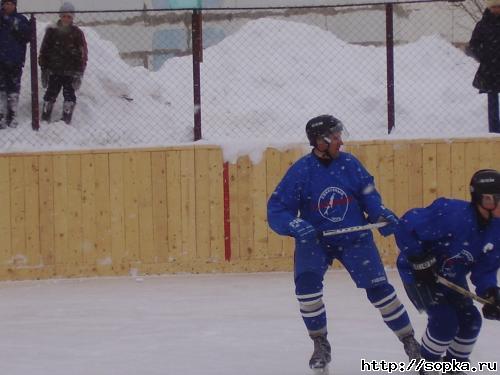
(63, 59)
(324, 190)
(15, 33)
(484, 46)
(453, 238)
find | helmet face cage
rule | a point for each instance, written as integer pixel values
(322, 127)
(485, 182)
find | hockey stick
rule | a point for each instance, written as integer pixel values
(335, 232)
(465, 292)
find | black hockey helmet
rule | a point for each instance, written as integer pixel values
(484, 181)
(322, 126)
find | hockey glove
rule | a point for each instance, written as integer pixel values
(492, 311)
(389, 217)
(424, 269)
(45, 78)
(302, 230)
(77, 81)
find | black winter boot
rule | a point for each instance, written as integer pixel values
(12, 104)
(3, 110)
(47, 111)
(68, 108)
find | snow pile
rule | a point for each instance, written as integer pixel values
(260, 86)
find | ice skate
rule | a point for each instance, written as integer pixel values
(423, 372)
(321, 355)
(411, 347)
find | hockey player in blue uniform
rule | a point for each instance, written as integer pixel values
(452, 238)
(329, 189)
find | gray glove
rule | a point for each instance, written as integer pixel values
(45, 78)
(77, 81)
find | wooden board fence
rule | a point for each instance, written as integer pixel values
(121, 212)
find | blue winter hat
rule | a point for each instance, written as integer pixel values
(9, 1)
(67, 7)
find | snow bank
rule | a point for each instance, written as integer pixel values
(259, 88)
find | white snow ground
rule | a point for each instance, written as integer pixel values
(245, 324)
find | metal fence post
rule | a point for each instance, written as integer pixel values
(35, 111)
(197, 43)
(389, 40)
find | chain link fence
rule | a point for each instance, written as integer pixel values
(264, 73)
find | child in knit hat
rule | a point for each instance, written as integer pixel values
(63, 59)
(484, 46)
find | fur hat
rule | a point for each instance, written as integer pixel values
(492, 3)
(67, 7)
(9, 1)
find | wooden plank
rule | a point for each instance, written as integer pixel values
(415, 197)
(386, 174)
(88, 210)
(259, 197)
(18, 211)
(103, 209)
(401, 176)
(486, 155)
(117, 198)
(287, 159)
(32, 222)
(159, 191)
(174, 208)
(5, 224)
(458, 189)
(203, 219)
(472, 163)
(60, 209)
(145, 198)
(46, 186)
(496, 155)
(188, 201)
(273, 177)
(216, 180)
(75, 217)
(443, 155)
(429, 173)
(386, 188)
(245, 208)
(131, 209)
(234, 212)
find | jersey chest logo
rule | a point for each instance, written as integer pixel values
(450, 265)
(488, 247)
(333, 204)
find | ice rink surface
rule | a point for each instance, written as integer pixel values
(192, 325)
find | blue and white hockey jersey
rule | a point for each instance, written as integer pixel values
(450, 229)
(330, 196)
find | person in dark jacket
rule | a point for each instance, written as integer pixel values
(484, 46)
(15, 33)
(63, 59)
